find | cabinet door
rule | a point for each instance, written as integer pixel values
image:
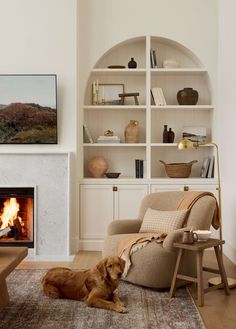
(127, 200)
(96, 210)
(165, 188)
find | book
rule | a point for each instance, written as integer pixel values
(153, 58)
(139, 168)
(108, 139)
(4, 231)
(87, 136)
(158, 96)
(210, 173)
(205, 166)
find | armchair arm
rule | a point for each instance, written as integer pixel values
(124, 226)
(174, 237)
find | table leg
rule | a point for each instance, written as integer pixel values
(200, 289)
(4, 300)
(173, 283)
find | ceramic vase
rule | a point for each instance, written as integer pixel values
(165, 135)
(132, 132)
(97, 166)
(187, 96)
(132, 64)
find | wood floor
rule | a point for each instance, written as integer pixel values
(219, 311)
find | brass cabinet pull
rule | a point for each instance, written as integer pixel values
(115, 189)
(186, 188)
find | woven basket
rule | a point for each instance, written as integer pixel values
(178, 170)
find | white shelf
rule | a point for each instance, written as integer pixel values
(113, 72)
(114, 144)
(179, 71)
(115, 107)
(183, 107)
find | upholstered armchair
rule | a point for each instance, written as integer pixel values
(153, 265)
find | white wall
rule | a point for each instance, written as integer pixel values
(39, 36)
(227, 120)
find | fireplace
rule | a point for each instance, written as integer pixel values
(17, 216)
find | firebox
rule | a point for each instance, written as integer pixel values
(17, 216)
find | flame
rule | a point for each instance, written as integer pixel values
(9, 212)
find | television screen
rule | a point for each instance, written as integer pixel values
(28, 109)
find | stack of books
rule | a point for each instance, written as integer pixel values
(139, 168)
(158, 96)
(108, 139)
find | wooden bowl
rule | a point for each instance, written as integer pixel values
(112, 174)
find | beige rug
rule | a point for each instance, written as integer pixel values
(148, 309)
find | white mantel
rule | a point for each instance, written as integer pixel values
(49, 173)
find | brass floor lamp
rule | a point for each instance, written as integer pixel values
(187, 144)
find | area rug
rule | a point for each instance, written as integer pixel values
(148, 309)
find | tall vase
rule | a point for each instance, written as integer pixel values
(171, 136)
(165, 135)
(132, 132)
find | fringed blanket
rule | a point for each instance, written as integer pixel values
(130, 244)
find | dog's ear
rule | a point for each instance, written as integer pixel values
(101, 266)
(122, 262)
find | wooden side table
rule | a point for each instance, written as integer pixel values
(198, 248)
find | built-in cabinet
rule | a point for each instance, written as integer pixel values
(99, 204)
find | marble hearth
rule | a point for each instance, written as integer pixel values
(50, 175)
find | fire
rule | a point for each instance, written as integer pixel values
(9, 212)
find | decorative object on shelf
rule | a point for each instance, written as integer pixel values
(178, 170)
(165, 138)
(124, 95)
(108, 139)
(158, 96)
(97, 166)
(187, 96)
(187, 144)
(108, 133)
(194, 133)
(87, 135)
(116, 67)
(132, 132)
(171, 136)
(112, 174)
(153, 58)
(132, 64)
(106, 94)
(170, 64)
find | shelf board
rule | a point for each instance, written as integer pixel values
(183, 107)
(175, 145)
(115, 107)
(125, 71)
(178, 71)
(114, 144)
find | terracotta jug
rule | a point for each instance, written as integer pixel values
(97, 166)
(132, 132)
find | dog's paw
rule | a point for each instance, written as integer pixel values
(122, 309)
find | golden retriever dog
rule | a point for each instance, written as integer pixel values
(96, 286)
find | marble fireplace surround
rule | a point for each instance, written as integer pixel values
(49, 174)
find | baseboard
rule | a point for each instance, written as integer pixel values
(230, 252)
(91, 245)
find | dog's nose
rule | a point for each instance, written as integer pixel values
(119, 274)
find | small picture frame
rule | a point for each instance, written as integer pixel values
(106, 94)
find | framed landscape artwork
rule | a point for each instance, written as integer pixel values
(28, 109)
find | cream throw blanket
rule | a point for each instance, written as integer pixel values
(131, 243)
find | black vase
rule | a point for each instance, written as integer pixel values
(165, 134)
(171, 136)
(132, 64)
(187, 96)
